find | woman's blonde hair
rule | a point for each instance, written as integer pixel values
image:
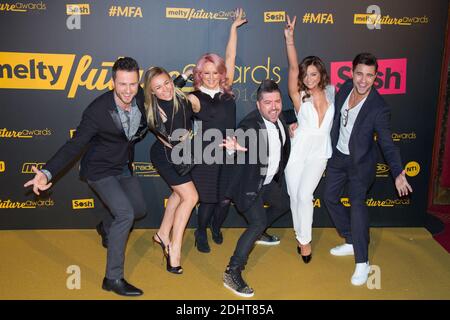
(151, 100)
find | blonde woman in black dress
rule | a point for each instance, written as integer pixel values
(168, 106)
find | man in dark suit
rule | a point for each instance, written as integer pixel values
(108, 131)
(360, 113)
(259, 180)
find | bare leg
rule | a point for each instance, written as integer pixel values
(188, 199)
(169, 217)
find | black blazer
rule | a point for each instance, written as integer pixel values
(246, 180)
(374, 117)
(100, 134)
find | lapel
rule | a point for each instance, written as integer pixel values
(263, 131)
(287, 141)
(112, 110)
(143, 128)
(365, 109)
(345, 89)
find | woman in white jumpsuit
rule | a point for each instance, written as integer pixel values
(313, 100)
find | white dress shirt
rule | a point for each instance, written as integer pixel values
(274, 148)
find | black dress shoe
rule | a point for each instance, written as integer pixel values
(121, 287)
(101, 231)
(306, 259)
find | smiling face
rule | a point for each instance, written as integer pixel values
(162, 86)
(363, 78)
(210, 76)
(312, 77)
(126, 85)
(270, 105)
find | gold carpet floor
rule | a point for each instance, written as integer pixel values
(409, 265)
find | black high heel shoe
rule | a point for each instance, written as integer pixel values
(306, 259)
(175, 270)
(161, 243)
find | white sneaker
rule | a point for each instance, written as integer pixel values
(361, 274)
(343, 250)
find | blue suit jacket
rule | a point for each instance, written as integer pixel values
(374, 117)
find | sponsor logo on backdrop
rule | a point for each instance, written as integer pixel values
(391, 75)
(318, 18)
(20, 70)
(387, 202)
(125, 11)
(2, 166)
(402, 136)
(78, 9)
(144, 169)
(345, 202)
(316, 203)
(256, 74)
(24, 134)
(82, 204)
(202, 14)
(382, 170)
(371, 202)
(27, 166)
(30, 204)
(412, 168)
(90, 77)
(274, 16)
(378, 19)
(27, 6)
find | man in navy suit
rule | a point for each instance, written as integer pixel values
(360, 113)
(107, 133)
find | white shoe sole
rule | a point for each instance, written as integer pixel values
(244, 295)
(342, 254)
(263, 243)
(358, 283)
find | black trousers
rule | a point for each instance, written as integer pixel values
(125, 201)
(351, 222)
(259, 219)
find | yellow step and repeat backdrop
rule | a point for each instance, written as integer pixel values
(56, 57)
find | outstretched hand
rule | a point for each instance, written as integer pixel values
(232, 144)
(238, 18)
(292, 128)
(402, 185)
(289, 28)
(39, 182)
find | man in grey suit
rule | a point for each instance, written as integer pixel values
(108, 131)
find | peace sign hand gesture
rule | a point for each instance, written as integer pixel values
(289, 29)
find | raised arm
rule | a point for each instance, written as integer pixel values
(230, 53)
(292, 62)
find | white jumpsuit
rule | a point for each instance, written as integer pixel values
(310, 151)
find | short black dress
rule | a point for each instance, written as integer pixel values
(218, 113)
(159, 153)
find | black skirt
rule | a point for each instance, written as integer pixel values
(164, 167)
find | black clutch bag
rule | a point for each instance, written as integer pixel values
(184, 167)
